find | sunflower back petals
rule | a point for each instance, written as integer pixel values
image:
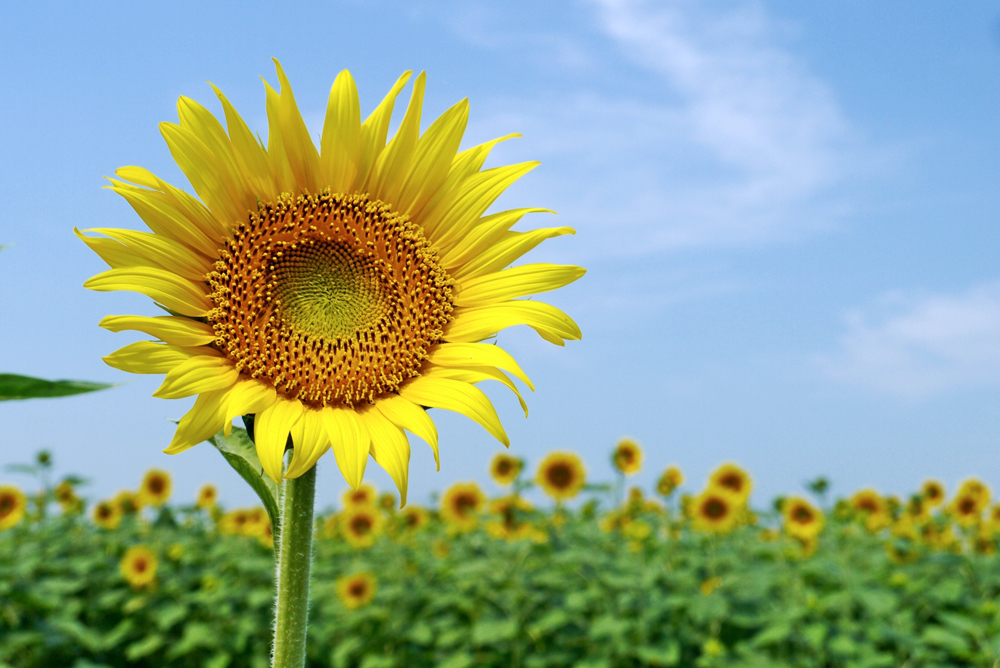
(475, 324)
(127, 248)
(341, 139)
(374, 131)
(349, 440)
(271, 429)
(302, 155)
(411, 417)
(310, 441)
(454, 395)
(484, 234)
(170, 329)
(389, 448)
(528, 279)
(477, 354)
(149, 357)
(248, 397)
(201, 123)
(176, 293)
(277, 154)
(393, 163)
(200, 373)
(432, 160)
(505, 251)
(201, 422)
(250, 157)
(165, 219)
(476, 374)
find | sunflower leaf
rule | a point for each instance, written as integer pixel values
(241, 454)
(13, 386)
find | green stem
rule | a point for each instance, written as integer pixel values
(294, 562)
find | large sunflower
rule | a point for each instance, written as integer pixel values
(334, 293)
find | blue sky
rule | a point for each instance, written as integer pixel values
(789, 213)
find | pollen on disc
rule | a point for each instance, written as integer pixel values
(334, 299)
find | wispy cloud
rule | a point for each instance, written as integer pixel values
(914, 348)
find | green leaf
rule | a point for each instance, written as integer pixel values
(13, 386)
(460, 660)
(378, 661)
(144, 647)
(241, 454)
(491, 631)
(938, 636)
(660, 656)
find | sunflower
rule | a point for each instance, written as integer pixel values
(356, 591)
(967, 507)
(12, 506)
(155, 488)
(627, 456)
(715, 510)
(732, 478)
(208, 496)
(414, 518)
(976, 488)
(364, 495)
(266, 536)
(138, 566)
(361, 525)
(333, 293)
(127, 501)
(66, 497)
(671, 479)
(512, 524)
(932, 492)
(387, 502)
(257, 522)
(107, 515)
(561, 475)
(868, 502)
(504, 469)
(801, 519)
(461, 505)
(234, 522)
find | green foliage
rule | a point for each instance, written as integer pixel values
(584, 597)
(13, 386)
(241, 454)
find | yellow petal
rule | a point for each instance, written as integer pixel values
(349, 441)
(207, 176)
(310, 441)
(151, 357)
(203, 125)
(486, 232)
(389, 448)
(173, 329)
(411, 417)
(270, 431)
(277, 156)
(476, 194)
(201, 422)
(475, 324)
(248, 153)
(166, 219)
(128, 248)
(374, 130)
(528, 279)
(177, 294)
(299, 147)
(475, 374)
(500, 254)
(394, 162)
(341, 140)
(186, 205)
(454, 395)
(432, 160)
(248, 397)
(196, 375)
(477, 354)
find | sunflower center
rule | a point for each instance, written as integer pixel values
(715, 509)
(802, 515)
(560, 476)
(140, 565)
(7, 505)
(334, 299)
(361, 525)
(358, 589)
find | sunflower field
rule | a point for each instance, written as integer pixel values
(619, 577)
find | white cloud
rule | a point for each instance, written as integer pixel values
(914, 348)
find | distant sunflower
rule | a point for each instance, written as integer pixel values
(334, 293)
(234, 522)
(155, 488)
(627, 456)
(561, 475)
(967, 507)
(734, 479)
(801, 519)
(504, 469)
(128, 502)
(716, 510)
(975, 488)
(361, 525)
(461, 505)
(67, 499)
(208, 497)
(357, 590)
(364, 495)
(933, 493)
(107, 515)
(512, 525)
(258, 523)
(671, 479)
(387, 502)
(12, 506)
(414, 518)
(868, 502)
(138, 566)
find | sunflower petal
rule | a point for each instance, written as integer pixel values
(149, 357)
(413, 418)
(469, 325)
(510, 247)
(270, 430)
(374, 130)
(310, 441)
(488, 231)
(249, 154)
(203, 125)
(201, 422)
(127, 248)
(166, 219)
(299, 147)
(277, 154)
(475, 374)
(432, 160)
(185, 204)
(393, 163)
(205, 173)
(528, 279)
(172, 329)
(196, 375)
(389, 448)
(176, 293)
(248, 397)
(455, 396)
(341, 139)
(349, 441)
(477, 354)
